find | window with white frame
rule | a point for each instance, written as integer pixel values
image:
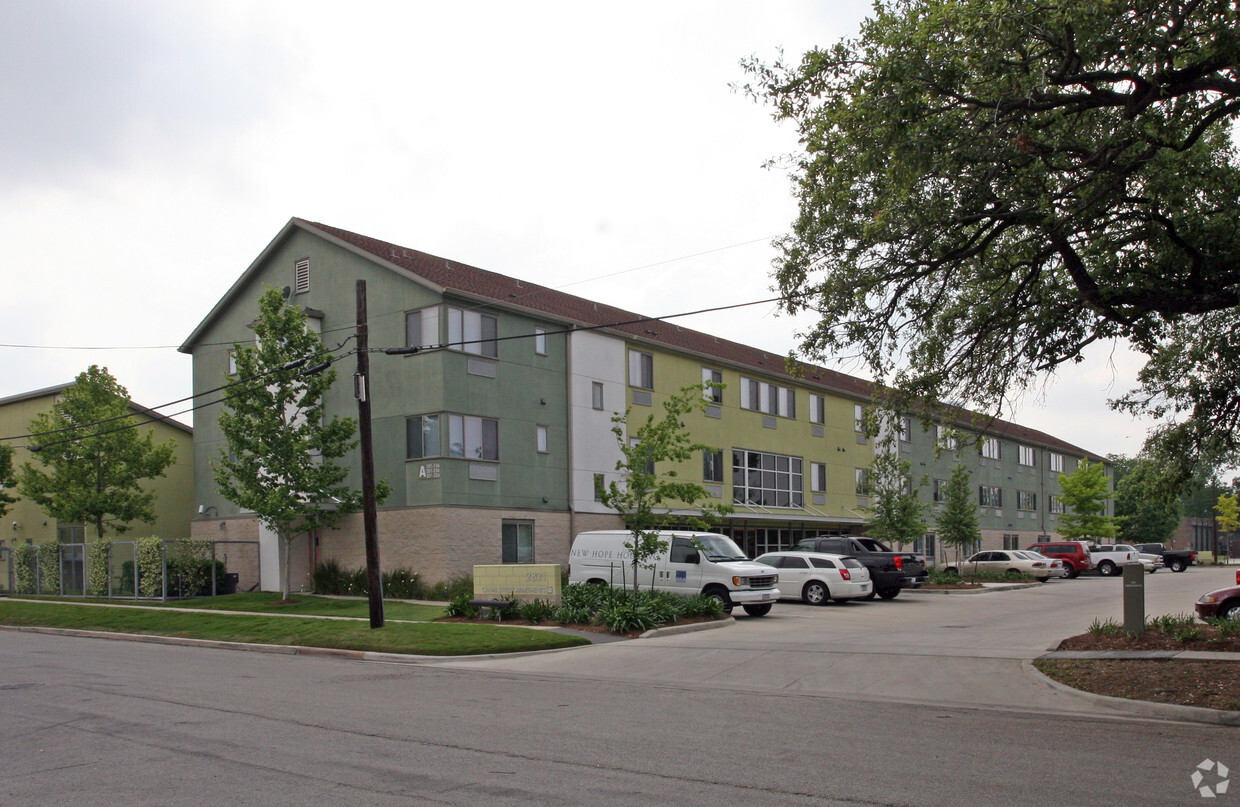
(422, 436)
(863, 481)
(859, 418)
(648, 465)
(599, 486)
(422, 327)
(541, 439)
(818, 477)
(712, 385)
(817, 409)
(596, 395)
(712, 465)
(990, 448)
(940, 490)
(1055, 462)
(641, 370)
(540, 341)
(473, 332)
(990, 496)
(1055, 504)
(906, 430)
(517, 541)
(1028, 456)
(1026, 500)
(945, 436)
(767, 480)
(759, 396)
(474, 438)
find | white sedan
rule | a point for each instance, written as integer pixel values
(818, 577)
(1054, 564)
(1011, 562)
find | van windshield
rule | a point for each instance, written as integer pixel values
(719, 547)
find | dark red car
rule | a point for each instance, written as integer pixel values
(1222, 602)
(1074, 554)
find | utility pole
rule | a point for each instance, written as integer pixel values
(374, 575)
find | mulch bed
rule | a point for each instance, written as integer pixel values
(1210, 641)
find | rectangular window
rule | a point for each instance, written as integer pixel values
(990, 448)
(472, 332)
(940, 490)
(859, 418)
(301, 276)
(1026, 500)
(599, 487)
(767, 480)
(817, 409)
(1056, 462)
(648, 467)
(422, 327)
(759, 396)
(906, 430)
(990, 496)
(1055, 504)
(945, 437)
(641, 370)
(517, 541)
(422, 437)
(863, 482)
(232, 362)
(473, 437)
(1028, 456)
(540, 341)
(541, 432)
(596, 395)
(712, 385)
(818, 477)
(712, 466)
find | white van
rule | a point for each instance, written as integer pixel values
(694, 562)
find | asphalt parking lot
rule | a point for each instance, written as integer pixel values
(951, 649)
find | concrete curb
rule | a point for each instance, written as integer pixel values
(690, 628)
(1163, 711)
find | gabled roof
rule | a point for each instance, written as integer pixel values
(445, 275)
(48, 392)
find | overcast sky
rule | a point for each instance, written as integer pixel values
(150, 150)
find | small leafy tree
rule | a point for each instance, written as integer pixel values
(94, 458)
(1227, 519)
(643, 496)
(7, 478)
(1085, 492)
(957, 522)
(280, 445)
(897, 515)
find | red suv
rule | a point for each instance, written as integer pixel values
(1074, 554)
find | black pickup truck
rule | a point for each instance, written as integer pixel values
(889, 571)
(1177, 560)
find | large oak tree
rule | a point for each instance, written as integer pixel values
(988, 186)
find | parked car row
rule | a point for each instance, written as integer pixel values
(825, 569)
(1109, 559)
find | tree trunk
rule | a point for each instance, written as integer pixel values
(286, 544)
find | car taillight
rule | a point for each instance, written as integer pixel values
(847, 575)
(1238, 577)
(899, 563)
(1038, 565)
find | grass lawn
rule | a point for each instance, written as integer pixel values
(269, 602)
(426, 638)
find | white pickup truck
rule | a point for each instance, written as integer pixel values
(1108, 558)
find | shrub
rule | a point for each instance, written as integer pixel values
(630, 616)
(1108, 628)
(537, 611)
(99, 554)
(448, 590)
(459, 606)
(401, 584)
(1227, 628)
(701, 605)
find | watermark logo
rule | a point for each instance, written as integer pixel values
(1219, 787)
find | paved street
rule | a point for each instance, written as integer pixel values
(756, 713)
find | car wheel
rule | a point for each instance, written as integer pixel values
(1106, 568)
(758, 609)
(1230, 611)
(723, 598)
(1069, 571)
(815, 593)
(1013, 572)
(1177, 566)
(889, 593)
